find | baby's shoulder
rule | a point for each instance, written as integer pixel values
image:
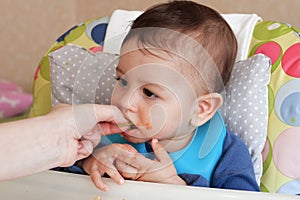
(233, 142)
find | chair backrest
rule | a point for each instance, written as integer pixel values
(281, 42)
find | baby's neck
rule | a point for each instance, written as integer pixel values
(178, 143)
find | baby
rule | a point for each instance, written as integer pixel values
(174, 63)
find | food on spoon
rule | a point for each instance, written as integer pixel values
(125, 124)
(148, 125)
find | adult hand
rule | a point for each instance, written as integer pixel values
(65, 135)
(81, 127)
(141, 168)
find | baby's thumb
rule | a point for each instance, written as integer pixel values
(159, 151)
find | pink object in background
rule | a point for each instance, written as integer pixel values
(13, 101)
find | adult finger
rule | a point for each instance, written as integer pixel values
(93, 136)
(86, 116)
(108, 128)
(85, 148)
(109, 113)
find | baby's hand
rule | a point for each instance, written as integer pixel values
(140, 168)
(102, 161)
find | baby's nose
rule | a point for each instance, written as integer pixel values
(129, 101)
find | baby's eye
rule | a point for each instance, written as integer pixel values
(122, 81)
(148, 93)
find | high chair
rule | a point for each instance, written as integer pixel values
(280, 42)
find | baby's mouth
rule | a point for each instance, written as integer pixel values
(129, 127)
(132, 132)
(147, 126)
(135, 130)
(132, 126)
(135, 127)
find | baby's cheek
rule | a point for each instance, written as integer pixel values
(150, 120)
(144, 117)
(156, 118)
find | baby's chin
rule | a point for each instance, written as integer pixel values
(135, 139)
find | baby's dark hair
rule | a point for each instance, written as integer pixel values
(201, 23)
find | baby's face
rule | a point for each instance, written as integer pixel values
(154, 96)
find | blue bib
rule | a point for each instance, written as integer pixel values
(199, 157)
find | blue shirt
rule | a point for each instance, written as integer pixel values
(234, 169)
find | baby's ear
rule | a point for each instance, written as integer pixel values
(207, 106)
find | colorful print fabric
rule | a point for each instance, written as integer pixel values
(281, 42)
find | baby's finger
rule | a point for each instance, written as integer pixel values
(136, 160)
(126, 170)
(97, 179)
(113, 173)
(159, 151)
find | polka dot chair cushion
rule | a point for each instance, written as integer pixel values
(281, 42)
(80, 76)
(245, 107)
(90, 35)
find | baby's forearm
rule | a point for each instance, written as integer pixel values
(28, 146)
